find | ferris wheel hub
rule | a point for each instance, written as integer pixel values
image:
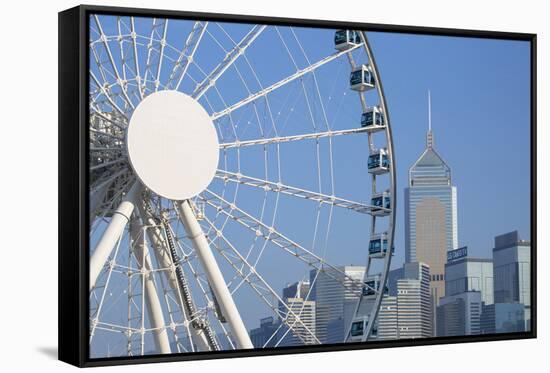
(172, 145)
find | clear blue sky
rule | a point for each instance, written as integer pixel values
(480, 118)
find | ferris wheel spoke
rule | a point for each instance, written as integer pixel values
(113, 327)
(315, 81)
(100, 184)
(311, 115)
(290, 320)
(105, 91)
(105, 287)
(105, 191)
(283, 139)
(324, 116)
(184, 60)
(302, 84)
(294, 320)
(254, 279)
(95, 110)
(110, 151)
(161, 56)
(174, 326)
(280, 83)
(152, 69)
(133, 36)
(102, 71)
(119, 80)
(105, 206)
(275, 237)
(249, 92)
(229, 59)
(105, 134)
(121, 38)
(107, 164)
(296, 192)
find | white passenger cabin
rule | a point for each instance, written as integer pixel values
(362, 79)
(378, 162)
(373, 119)
(345, 39)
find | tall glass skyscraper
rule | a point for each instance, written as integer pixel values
(431, 216)
(512, 272)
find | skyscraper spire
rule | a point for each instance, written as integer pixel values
(429, 135)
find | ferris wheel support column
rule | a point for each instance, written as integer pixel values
(213, 273)
(154, 308)
(113, 232)
(163, 258)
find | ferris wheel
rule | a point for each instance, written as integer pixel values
(217, 155)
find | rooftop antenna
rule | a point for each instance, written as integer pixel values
(429, 136)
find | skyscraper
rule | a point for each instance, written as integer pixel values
(459, 314)
(431, 215)
(503, 318)
(410, 286)
(512, 272)
(387, 318)
(263, 336)
(330, 297)
(413, 309)
(470, 274)
(468, 288)
(302, 317)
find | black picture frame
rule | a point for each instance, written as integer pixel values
(73, 184)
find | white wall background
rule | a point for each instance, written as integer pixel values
(28, 182)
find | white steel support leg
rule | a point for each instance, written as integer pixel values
(113, 232)
(214, 275)
(165, 261)
(154, 309)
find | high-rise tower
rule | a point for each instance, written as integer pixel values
(431, 214)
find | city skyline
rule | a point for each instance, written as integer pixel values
(469, 306)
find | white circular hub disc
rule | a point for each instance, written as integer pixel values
(172, 145)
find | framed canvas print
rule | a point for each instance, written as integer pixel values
(237, 186)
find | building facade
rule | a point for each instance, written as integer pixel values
(410, 285)
(512, 272)
(263, 336)
(301, 317)
(470, 274)
(459, 314)
(387, 326)
(503, 318)
(413, 309)
(330, 297)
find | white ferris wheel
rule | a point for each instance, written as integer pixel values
(227, 160)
